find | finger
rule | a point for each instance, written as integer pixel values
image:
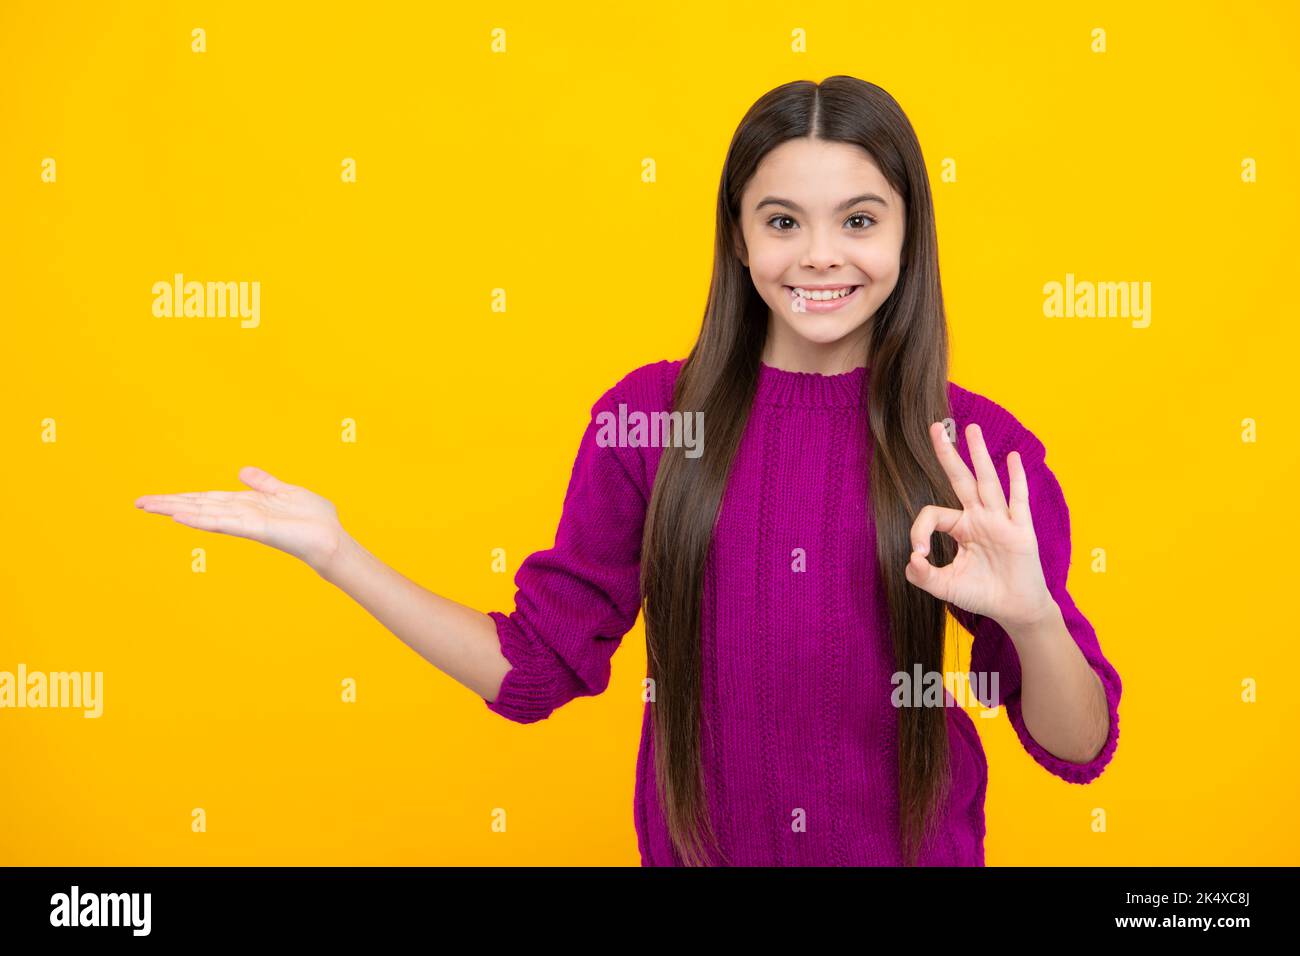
(180, 498)
(959, 476)
(165, 504)
(927, 577)
(932, 518)
(1019, 490)
(170, 504)
(989, 484)
(262, 481)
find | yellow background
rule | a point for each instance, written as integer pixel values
(522, 171)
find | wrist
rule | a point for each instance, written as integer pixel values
(334, 563)
(1046, 617)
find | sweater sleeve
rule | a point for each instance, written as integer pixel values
(992, 650)
(576, 600)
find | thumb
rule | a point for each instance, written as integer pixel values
(260, 480)
(926, 576)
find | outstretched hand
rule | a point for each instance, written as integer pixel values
(997, 572)
(284, 516)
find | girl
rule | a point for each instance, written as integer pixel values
(795, 566)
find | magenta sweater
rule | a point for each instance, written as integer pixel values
(800, 749)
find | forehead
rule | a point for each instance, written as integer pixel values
(817, 174)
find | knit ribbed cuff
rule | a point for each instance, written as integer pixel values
(530, 686)
(1065, 769)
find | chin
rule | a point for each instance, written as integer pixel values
(824, 330)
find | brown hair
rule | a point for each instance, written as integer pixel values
(906, 392)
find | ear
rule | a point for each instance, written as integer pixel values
(741, 253)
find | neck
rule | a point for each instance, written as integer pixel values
(790, 352)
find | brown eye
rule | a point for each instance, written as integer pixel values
(862, 215)
(775, 218)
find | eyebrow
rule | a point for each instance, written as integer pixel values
(865, 197)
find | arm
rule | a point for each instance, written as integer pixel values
(1041, 679)
(301, 523)
(458, 640)
(573, 603)
(1063, 701)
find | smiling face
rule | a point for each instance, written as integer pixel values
(817, 217)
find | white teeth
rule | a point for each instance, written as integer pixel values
(822, 295)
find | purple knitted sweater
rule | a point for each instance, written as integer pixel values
(800, 738)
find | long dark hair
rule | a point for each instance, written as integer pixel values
(907, 357)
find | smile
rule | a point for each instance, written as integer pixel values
(822, 300)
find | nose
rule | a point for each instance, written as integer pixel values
(822, 251)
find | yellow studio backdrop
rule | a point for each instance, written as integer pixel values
(381, 171)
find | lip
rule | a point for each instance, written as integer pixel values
(830, 305)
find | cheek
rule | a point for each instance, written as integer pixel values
(879, 265)
(768, 263)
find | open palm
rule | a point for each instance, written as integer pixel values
(284, 516)
(997, 572)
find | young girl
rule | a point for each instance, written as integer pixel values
(795, 562)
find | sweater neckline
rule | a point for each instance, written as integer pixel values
(778, 386)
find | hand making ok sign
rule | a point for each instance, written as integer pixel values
(997, 572)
